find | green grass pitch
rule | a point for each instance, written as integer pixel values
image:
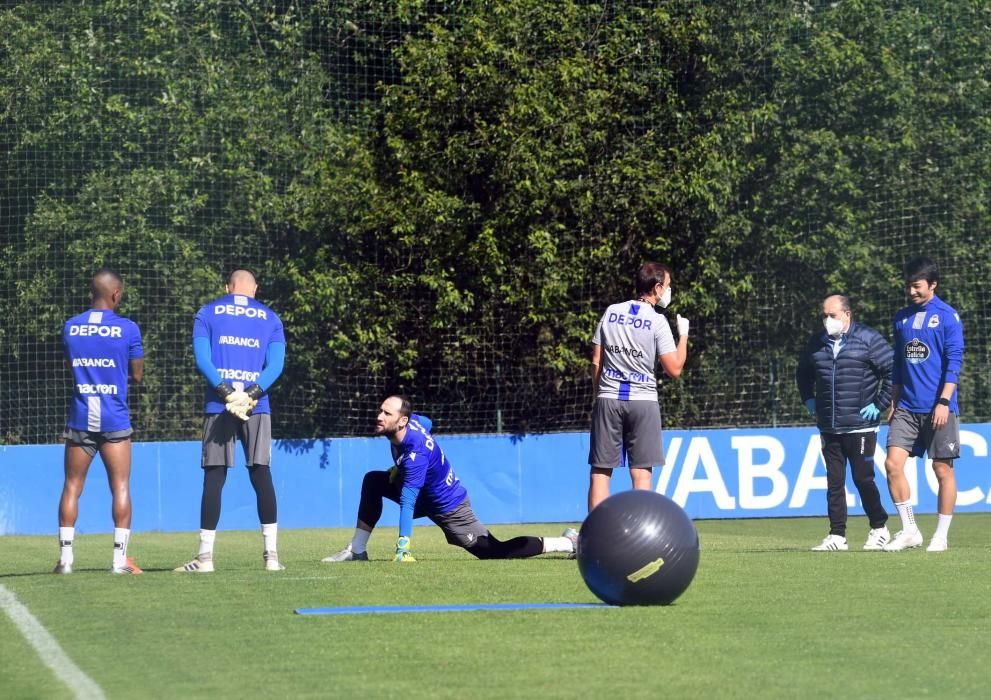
(764, 618)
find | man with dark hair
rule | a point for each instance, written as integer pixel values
(631, 338)
(929, 349)
(240, 348)
(423, 483)
(844, 379)
(101, 349)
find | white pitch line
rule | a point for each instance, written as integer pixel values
(81, 685)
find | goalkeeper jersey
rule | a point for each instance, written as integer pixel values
(99, 346)
(240, 329)
(423, 465)
(928, 353)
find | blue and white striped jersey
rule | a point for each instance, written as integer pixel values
(99, 346)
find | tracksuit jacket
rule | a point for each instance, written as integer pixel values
(858, 375)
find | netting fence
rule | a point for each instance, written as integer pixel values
(440, 198)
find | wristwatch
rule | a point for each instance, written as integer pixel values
(943, 402)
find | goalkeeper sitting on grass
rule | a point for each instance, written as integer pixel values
(423, 483)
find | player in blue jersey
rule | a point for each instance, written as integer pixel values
(102, 350)
(240, 349)
(629, 342)
(924, 419)
(423, 483)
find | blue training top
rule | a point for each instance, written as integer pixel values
(428, 481)
(99, 346)
(245, 337)
(928, 353)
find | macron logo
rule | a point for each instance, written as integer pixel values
(634, 309)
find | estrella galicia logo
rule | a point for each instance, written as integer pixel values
(916, 352)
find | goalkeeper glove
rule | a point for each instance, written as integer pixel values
(246, 402)
(225, 391)
(236, 401)
(230, 395)
(241, 403)
(403, 552)
(254, 392)
(870, 412)
(233, 398)
(242, 407)
(682, 324)
(810, 406)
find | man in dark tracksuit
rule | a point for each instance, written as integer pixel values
(844, 379)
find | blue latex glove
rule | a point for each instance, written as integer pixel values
(810, 406)
(403, 552)
(870, 412)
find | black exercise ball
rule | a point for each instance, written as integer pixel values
(638, 548)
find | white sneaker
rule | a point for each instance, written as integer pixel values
(572, 534)
(345, 555)
(876, 539)
(129, 567)
(937, 544)
(272, 561)
(62, 568)
(199, 565)
(904, 539)
(832, 543)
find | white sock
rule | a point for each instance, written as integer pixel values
(557, 544)
(65, 537)
(359, 541)
(207, 538)
(122, 536)
(270, 534)
(943, 525)
(907, 516)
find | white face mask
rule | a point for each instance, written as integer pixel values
(665, 298)
(834, 326)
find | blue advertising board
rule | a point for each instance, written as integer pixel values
(731, 473)
(758, 473)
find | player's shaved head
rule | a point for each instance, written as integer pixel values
(242, 282)
(106, 287)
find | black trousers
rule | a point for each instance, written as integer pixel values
(858, 448)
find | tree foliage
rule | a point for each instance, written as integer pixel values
(441, 197)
